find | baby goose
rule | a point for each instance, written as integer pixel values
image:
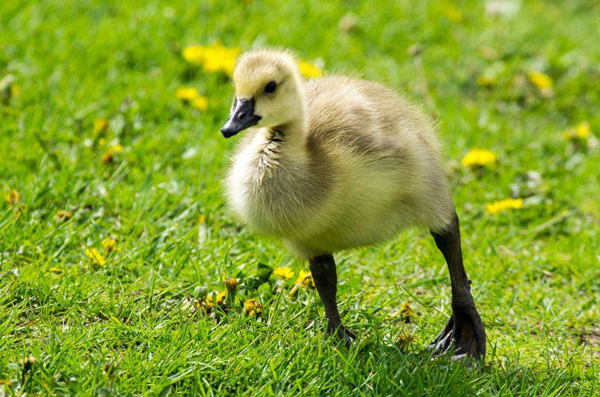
(336, 163)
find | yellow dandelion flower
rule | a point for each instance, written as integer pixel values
(580, 132)
(284, 272)
(252, 307)
(216, 63)
(406, 312)
(116, 148)
(108, 157)
(194, 54)
(503, 205)
(192, 97)
(95, 256)
(540, 80)
(186, 94)
(205, 304)
(217, 298)
(200, 103)
(478, 157)
(213, 58)
(100, 125)
(231, 286)
(220, 298)
(309, 70)
(63, 215)
(583, 130)
(305, 279)
(109, 244)
(12, 197)
(231, 283)
(219, 58)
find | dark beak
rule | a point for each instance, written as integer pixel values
(241, 117)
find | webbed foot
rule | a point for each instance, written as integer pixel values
(342, 333)
(464, 336)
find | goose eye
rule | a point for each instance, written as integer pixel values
(270, 87)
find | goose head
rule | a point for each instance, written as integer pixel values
(268, 92)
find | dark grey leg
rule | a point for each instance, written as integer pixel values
(324, 273)
(464, 334)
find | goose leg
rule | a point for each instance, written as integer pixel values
(324, 273)
(464, 333)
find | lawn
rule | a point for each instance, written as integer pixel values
(114, 231)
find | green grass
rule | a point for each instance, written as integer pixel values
(130, 326)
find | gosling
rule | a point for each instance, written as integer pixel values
(336, 163)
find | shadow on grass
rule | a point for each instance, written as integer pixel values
(384, 367)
